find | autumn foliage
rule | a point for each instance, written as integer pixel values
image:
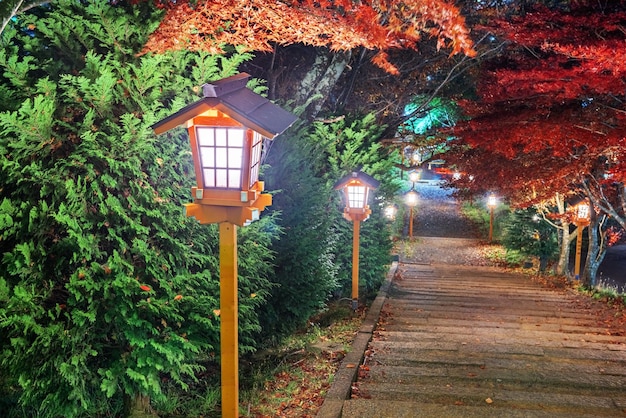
(551, 106)
(340, 25)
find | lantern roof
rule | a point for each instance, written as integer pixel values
(231, 97)
(366, 179)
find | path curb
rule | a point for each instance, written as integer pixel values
(346, 374)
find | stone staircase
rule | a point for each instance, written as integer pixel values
(464, 341)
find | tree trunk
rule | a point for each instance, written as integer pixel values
(565, 239)
(317, 85)
(139, 407)
(595, 252)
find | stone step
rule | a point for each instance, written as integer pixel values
(478, 394)
(585, 378)
(368, 408)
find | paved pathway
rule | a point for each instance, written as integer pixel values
(465, 341)
(452, 337)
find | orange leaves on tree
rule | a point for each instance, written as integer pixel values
(258, 25)
(145, 288)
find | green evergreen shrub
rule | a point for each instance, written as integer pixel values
(526, 233)
(106, 290)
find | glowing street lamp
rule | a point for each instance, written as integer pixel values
(411, 199)
(492, 202)
(226, 129)
(414, 177)
(582, 220)
(390, 212)
(356, 187)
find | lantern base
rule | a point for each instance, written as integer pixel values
(352, 214)
(237, 215)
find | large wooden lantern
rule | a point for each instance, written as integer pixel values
(227, 128)
(356, 187)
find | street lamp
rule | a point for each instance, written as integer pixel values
(390, 212)
(492, 202)
(411, 201)
(226, 129)
(356, 187)
(414, 177)
(582, 220)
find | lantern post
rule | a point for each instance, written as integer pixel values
(492, 202)
(411, 198)
(582, 220)
(227, 128)
(356, 187)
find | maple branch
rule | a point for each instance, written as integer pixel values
(590, 130)
(452, 75)
(18, 9)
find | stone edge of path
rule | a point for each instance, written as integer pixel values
(346, 374)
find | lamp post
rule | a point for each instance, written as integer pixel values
(356, 187)
(226, 130)
(411, 199)
(492, 202)
(582, 220)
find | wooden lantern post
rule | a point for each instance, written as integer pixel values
(411, 198)
(492, 202)
(227, 128)
(582, 220)
(356, 187)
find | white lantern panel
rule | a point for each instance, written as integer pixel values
(235, 158)
(255, 157)
(205, 137)
(209, 177)
(207, 155)
(221, 152)
(357, 196)
(221, 178)
(235, 138)
(221, 138)
(221, 157)
(234, 179)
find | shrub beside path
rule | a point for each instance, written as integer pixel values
(457, 338)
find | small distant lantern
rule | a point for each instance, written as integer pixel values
(583, 219)
(356, 187)
(582, 214)
(227, 128)
(492, 201)
(414, 176)
(411, 198)
(390, 212)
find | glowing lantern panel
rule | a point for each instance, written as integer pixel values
(357, 196)
(221, 156)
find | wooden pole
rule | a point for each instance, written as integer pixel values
(579, 247)
(411, 223)
(355, 264)
(490, 223)
(229, 338)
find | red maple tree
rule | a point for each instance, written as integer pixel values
(340, 25)
(553, 101)
(550, 118)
